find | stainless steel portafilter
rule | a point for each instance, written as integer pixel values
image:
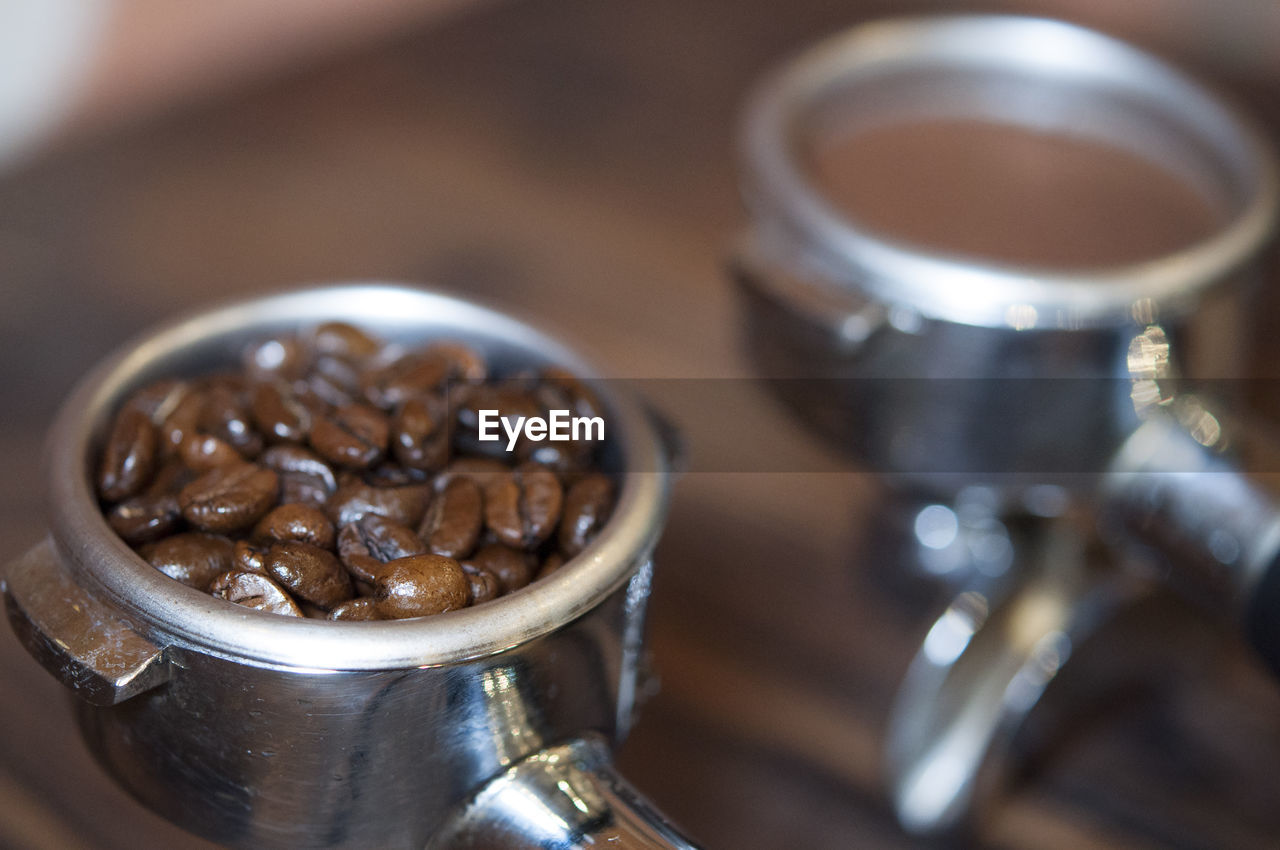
(485, 727)
(1001, 399)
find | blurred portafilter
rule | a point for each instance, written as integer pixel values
(972, 240)
(491, 726)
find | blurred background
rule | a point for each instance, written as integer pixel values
(571, 162)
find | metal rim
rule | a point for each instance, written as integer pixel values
(971, 291)
(174, 613)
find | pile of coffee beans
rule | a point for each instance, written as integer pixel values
(337, 477)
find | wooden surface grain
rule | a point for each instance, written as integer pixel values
(572, 163)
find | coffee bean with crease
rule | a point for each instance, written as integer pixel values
(420, 433)
(354, 436)
(372, 541)
(522, 508)
(421, 585)
(153, 513)
(483, 585)
(355, 499)
(159, 399)
(360, 608)
(297, 522)
(278, 413)
(511, 400)
(332, 380)
(304, 477)
(193, 558)
(129, 456)
(309, 573)
(254, 591)
(344, 341)
(226, 416)
(454, 520)
(511, 567)
(229, 498)
(249, 557)
(407, 377)
(587, 506)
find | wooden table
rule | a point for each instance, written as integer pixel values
(571, 162)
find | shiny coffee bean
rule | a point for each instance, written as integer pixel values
(421, 585)
(145, 518)
(510, 399)
(464, 362)
(512, 568)
(279, 359)
(304, 477)
(278, 414)
(181, 422)
(193, 558)
(254, 591)
(309, 572)
(372, 541)
(360, 608)
(249, 558)
(159, 399)
(522, 507)
(408, 377)
(587, 506)
(344, 341)
(355, 499)
(203, 452)
(483, 585)
(453, 522)
(354, 436)
(420, 433)
(129, 457)
(229, 498)
(226, 416)
(296, 522)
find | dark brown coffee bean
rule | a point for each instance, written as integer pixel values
(129, 457)
(203, 452)
(304, 477)
(309, 573)
(355, 499)
(229, 498)
(510, 399)
(246, 557)
(512, 568)
(278, 414)
(360, 608)
(280, 358)
(192, 558)
(354, 436)
(587, 506)
(254, 591)
(297, 522)
(408, 377)
(146, 517)
(453, 522)
(181, 422)
(465, 363)
(421, 585)
(561, 389)
(420, 433)
(553, 562)
(370, 542)
(159, 399)
(226, 417)
(523, 507)
(483, 585)
(344, 341)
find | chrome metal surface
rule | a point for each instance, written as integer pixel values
(562, 798)
(271, 731)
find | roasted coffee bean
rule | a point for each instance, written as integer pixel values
(193, 558)
(481, 470)
(254, 591)
(354, 436)
(304, 477)
(512, 568)
(278, 359)
(181, 422)
(453, 522)
(420, 433)
(298, 522)
(203, 452)
(550, 564)
(511, 399)
(129, 458)
(229, 498)
(483, 585)
(344, 341)
(146, 517)
(408, 377)
(159, 399)
(522, 507)
(360, 608)
(278, 414)
(421, 585)
(226, 417)
(249, 558)
(355, 499)
(309, 572)
(373, 540)
(561, 389)
(587, 506)
(464, 362)
(394, 475)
